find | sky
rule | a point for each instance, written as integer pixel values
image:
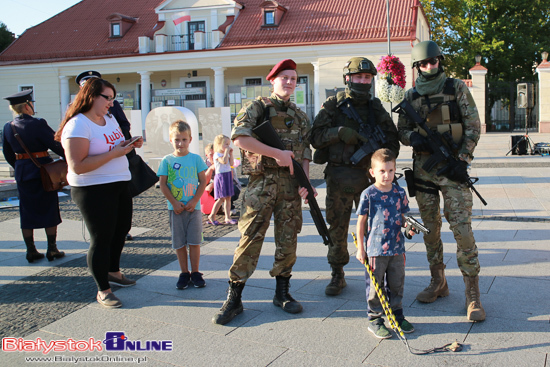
(19, 15)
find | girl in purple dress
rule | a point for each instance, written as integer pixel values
(223, 180)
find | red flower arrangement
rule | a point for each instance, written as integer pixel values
(393, 69)
(391, 85)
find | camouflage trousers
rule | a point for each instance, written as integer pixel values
(274, 192)
(344, 188)
(457, 208)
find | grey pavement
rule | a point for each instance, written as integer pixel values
(55, 301)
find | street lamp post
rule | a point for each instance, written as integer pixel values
(388, 21)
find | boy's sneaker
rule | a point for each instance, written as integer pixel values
(183, 281)
(378, 328)
(406, 327)
(197, 279)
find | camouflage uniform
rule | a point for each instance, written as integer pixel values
(271, 190)
(345, 181)
(457, 198)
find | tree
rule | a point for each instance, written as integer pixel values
(510, 35)
(6, 37)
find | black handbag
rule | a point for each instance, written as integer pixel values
(143, 177)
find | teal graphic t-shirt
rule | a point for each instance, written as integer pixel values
(183, 176)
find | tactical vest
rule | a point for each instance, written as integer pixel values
(340, 153)
(288, 125)
(446, 117)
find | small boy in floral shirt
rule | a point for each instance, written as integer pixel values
(381, 216)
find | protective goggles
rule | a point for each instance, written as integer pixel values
(431, 61)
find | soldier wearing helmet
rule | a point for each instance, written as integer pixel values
(424, 53)
(335, 137)
(449, 108)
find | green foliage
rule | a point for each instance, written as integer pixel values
(6, 37)
(509, 35)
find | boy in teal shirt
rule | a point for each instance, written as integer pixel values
(182, 181)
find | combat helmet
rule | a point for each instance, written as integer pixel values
(425, 50)
(358, 65)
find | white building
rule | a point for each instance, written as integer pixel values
(203, 53)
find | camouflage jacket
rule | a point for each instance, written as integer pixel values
(330, 118)
(253, 114)
(468, 116)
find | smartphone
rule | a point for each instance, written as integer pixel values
(133, 140)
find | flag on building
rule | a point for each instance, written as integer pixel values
(180, 18)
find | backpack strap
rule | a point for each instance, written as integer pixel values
(449, 87)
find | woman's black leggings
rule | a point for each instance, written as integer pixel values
(107, 212)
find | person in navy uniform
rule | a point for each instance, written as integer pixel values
(37, 208)
(117, 112)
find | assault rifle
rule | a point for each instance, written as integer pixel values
(416, 226)
(268, 136)
(435, 140)
(374, 135)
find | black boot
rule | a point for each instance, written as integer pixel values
(53, 252)
(232, 306)
(283, 299)
(32, 252)
(337, 283)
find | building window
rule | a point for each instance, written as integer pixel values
(269, 18)
(193, 27)
(253, 81)
(115, 30)
(272, 13)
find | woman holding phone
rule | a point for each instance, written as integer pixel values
(98, 173)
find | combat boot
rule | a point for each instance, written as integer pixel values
(232, 306)
(438, 285)
(475, 311)
(53, 252)
(337, 283)
(283, 299)
(32, 252)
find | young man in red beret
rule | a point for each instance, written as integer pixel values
(271, 190)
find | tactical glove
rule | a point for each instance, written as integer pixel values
(420, 143)
(458, 172)
(349, 136)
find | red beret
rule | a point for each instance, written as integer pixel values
(286, 64)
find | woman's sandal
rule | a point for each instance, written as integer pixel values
(231, 221)
(213, 222)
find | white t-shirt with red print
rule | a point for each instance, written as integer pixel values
(102, 139)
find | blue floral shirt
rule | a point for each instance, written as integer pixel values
(384, 211)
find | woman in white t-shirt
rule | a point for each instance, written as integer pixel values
(96, 150)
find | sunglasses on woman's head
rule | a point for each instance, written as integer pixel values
(432, 61)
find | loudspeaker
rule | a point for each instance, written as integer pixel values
(525, 95)
(518, 149)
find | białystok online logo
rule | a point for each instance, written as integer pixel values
(114, 341)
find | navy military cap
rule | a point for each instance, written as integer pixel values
(21, 97)
(82, 77)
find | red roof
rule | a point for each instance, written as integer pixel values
(323, 21)
(82, 31)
